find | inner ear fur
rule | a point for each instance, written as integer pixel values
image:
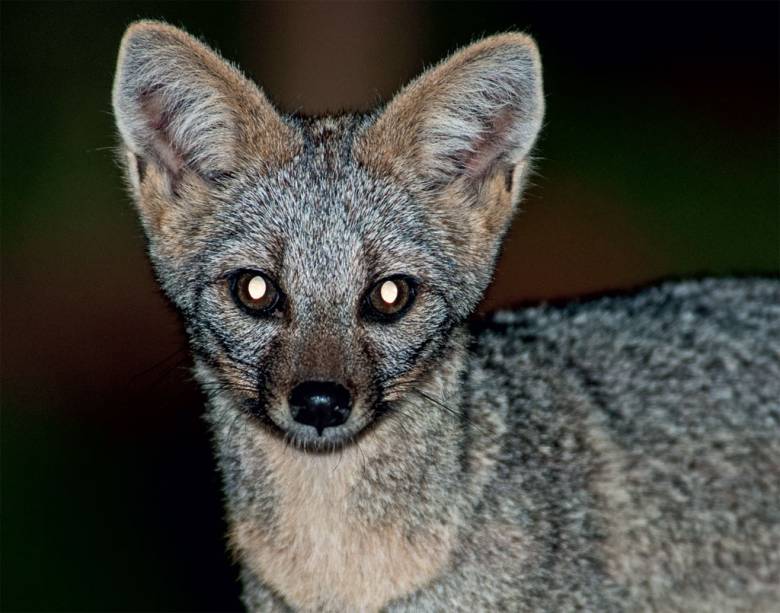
(183, 110)
(474, 115)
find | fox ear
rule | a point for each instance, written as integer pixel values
(474, 115)
(182, 110)
(458, 138)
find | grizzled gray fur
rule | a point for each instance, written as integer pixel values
(379, 452)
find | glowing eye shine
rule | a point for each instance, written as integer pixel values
(389, 292)
(254, 292)
(257, 287)
(390, 298)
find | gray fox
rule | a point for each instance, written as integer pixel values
(380, 450)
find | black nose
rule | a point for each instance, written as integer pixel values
(321, 404)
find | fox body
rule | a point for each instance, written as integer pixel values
(378, 451)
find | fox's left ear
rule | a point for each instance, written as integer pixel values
(473, 117)
(460, 137)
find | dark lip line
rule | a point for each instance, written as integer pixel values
(378, 412)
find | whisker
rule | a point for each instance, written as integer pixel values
(360, 451)
(227, 386)
(158, 364)
(168, 364)
(338, 462)
(232, 425)
(287, 443)
(459, 415)
(253, 368)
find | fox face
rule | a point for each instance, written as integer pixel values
(322, 265)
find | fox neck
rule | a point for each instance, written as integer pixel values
(356, 528)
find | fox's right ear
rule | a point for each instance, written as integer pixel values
(184, 113)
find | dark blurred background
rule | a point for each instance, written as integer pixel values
(659, 158)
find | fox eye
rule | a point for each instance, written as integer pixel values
(254, 292)
(390, 298)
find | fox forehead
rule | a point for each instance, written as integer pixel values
(323, 210)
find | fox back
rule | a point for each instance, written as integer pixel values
(380, 452)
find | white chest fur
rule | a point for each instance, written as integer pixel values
(321, 554)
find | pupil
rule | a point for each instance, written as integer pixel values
(389, 292)
(256, 288)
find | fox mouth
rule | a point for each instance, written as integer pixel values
(325, 439)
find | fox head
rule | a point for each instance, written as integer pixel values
(323, 265)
